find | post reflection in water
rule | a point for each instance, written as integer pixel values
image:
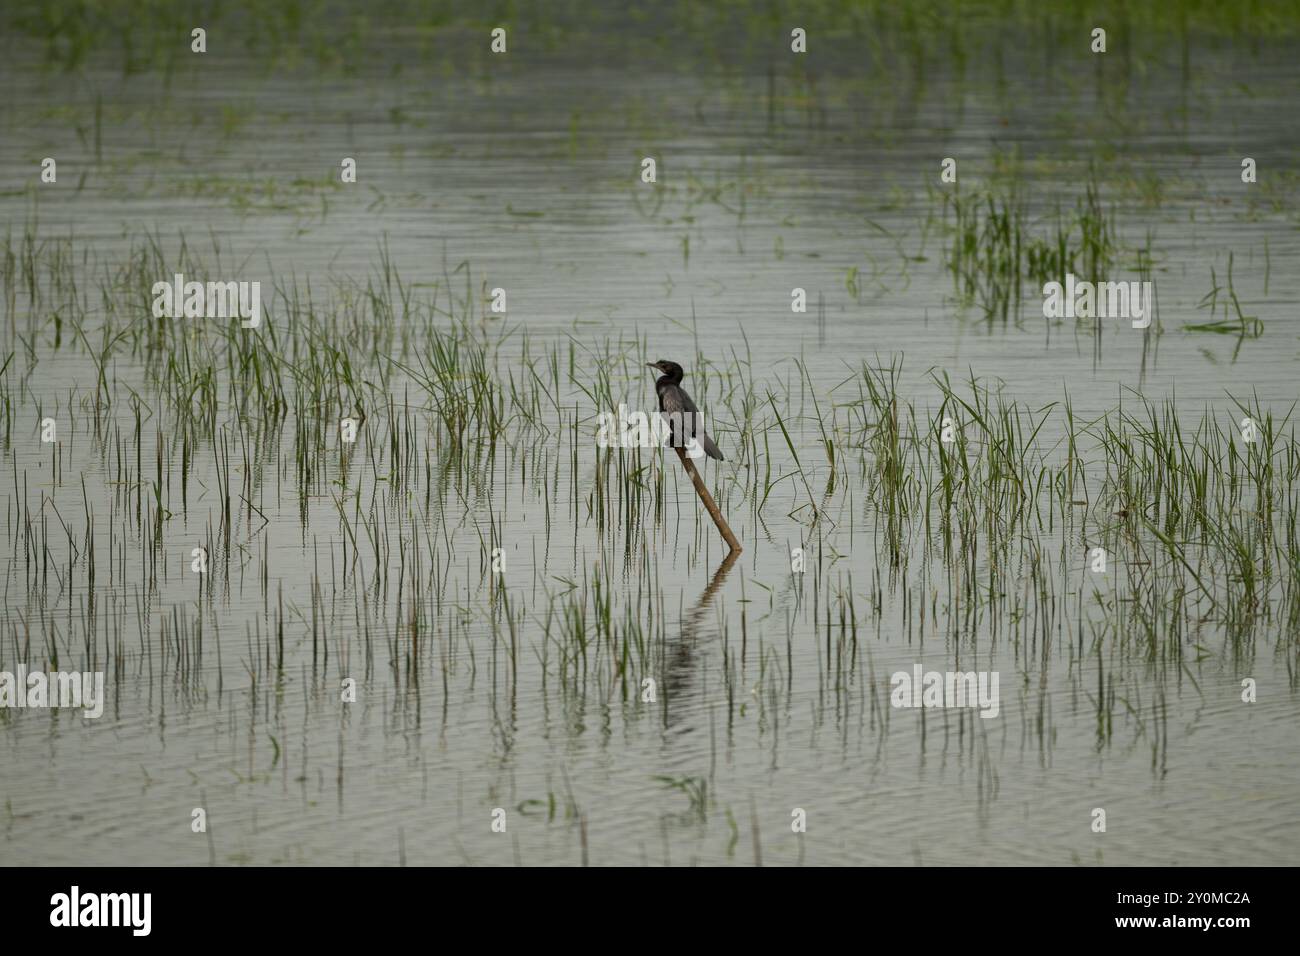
(680, 663)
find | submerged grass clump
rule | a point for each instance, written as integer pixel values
(995, 250)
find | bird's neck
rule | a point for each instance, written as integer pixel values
(668, 380)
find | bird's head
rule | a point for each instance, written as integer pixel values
(671, 369)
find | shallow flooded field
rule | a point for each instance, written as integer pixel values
(366, 586)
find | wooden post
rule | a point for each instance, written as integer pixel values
(710, 505)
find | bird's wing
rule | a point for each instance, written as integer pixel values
(674, 399)
(678, 411)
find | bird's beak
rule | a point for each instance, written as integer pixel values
(652, 365)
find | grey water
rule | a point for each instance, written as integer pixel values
(528, 173)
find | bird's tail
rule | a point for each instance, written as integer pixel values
(710, 449)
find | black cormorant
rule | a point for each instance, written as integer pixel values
(677, 407)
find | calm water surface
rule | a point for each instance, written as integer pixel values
(528, 175)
